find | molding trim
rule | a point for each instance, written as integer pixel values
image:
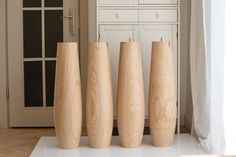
(3, 67)
(84, 30)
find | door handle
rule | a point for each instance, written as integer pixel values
(63, 17)
(71, 18)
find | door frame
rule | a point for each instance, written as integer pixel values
(4, 63)
(3, 67)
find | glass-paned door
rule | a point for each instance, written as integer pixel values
(34, 28)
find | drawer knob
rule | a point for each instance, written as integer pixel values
(157, 15)
(117, 15)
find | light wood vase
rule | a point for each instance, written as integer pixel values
(130, 95)
(99, 105)
(162, 95)
(67, 99)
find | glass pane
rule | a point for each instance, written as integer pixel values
(31, 3)
(33, 84)
(50, 81)
(53, 3)
(32, 34)
(53, 31)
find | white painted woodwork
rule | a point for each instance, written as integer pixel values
(117, 2)
(155, 20)
(158, 15)
(166, 2)
(118, 16)
(20, 116)
(114, 34)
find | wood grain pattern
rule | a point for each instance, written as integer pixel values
(162, 95)
(99, 107)
(130, 95)
(68, 102)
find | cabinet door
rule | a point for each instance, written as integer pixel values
(147, 34)
(114, 34)
(117, 2)
(162, 2)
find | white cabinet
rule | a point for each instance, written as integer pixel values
(114, 34)
(118, 16)
(136, 2)
(163, 2)
(117, 2)
(147, 34)
(158, 15)
(138, 20)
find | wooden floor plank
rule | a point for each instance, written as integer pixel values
(19, 142)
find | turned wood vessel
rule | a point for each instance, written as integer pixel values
(99, 107)
(67, 99)
(162, 95)
(130, 95)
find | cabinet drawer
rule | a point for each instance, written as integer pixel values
(162, 2)
(158, 15)
(117, 2)
(118, 15)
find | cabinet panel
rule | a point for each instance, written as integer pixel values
(147, 34)
(158, 15)
(117, 2)
(114, 34)
(118, 16)
(158, 1)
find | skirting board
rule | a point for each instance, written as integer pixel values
(183, 145)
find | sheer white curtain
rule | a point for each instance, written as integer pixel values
(230, 77)
(199, 71)
(207, 64)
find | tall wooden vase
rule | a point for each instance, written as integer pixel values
(162, 95)
(99, 107)
(130, 95)
(67, 99)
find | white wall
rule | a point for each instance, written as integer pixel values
(3, 78)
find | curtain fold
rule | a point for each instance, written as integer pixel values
(199, 66)
(206, 64)
(229, 78)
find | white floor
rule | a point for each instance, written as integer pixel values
(183, 145)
